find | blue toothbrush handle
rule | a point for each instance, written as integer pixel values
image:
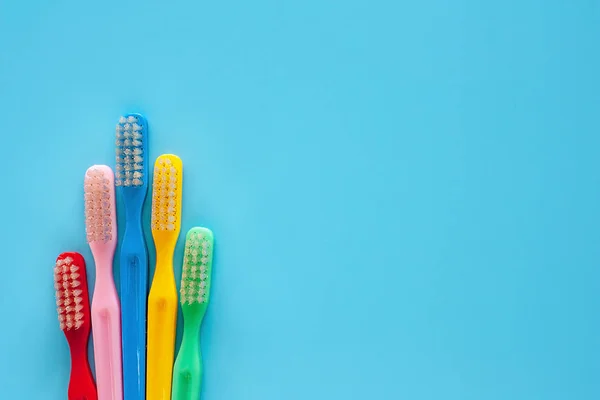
(134, 293)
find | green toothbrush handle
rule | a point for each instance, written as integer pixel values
(187, 371)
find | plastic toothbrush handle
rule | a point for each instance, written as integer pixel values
(81, 382)
(134, 289)
(162, 319)
(187, 372)
(106, 328)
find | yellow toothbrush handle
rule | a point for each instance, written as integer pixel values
(162, 320)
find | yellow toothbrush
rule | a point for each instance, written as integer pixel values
(162, 301)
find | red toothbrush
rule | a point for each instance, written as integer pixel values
(73, 306)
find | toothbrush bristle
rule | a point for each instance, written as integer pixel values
(69, 285)
(99, 211)
(130, 152)
(197, 266)
(166, 196)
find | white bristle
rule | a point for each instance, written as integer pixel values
(129, 150)
(98, 207)
(70, 315)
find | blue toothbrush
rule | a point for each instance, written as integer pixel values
(132, 180)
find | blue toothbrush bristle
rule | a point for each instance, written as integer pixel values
(129, 151)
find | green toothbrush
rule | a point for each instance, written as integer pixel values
(195, 290)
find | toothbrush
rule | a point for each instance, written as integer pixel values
(73, 309)
(195, 292)
(162, 301)
(101, 231)
(132, 180)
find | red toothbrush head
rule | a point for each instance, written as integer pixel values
(73, 306)
(72, 301)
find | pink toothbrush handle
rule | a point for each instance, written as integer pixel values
(106, 328)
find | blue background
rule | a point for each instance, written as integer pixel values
(405, 195)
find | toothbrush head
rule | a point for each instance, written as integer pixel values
(166, 196)
(72, 301)
(197, 267)
(132, 152)
(100, 210)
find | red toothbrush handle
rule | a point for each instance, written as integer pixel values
(81, 383)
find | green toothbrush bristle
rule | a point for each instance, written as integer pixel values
(197, 267)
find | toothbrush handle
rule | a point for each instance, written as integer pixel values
(187, 372)
(134, 289)
(81, 382)
(106, 328)
(162, 319)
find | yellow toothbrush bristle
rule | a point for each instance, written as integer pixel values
(166, 194)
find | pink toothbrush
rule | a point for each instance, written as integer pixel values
(101, 231)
